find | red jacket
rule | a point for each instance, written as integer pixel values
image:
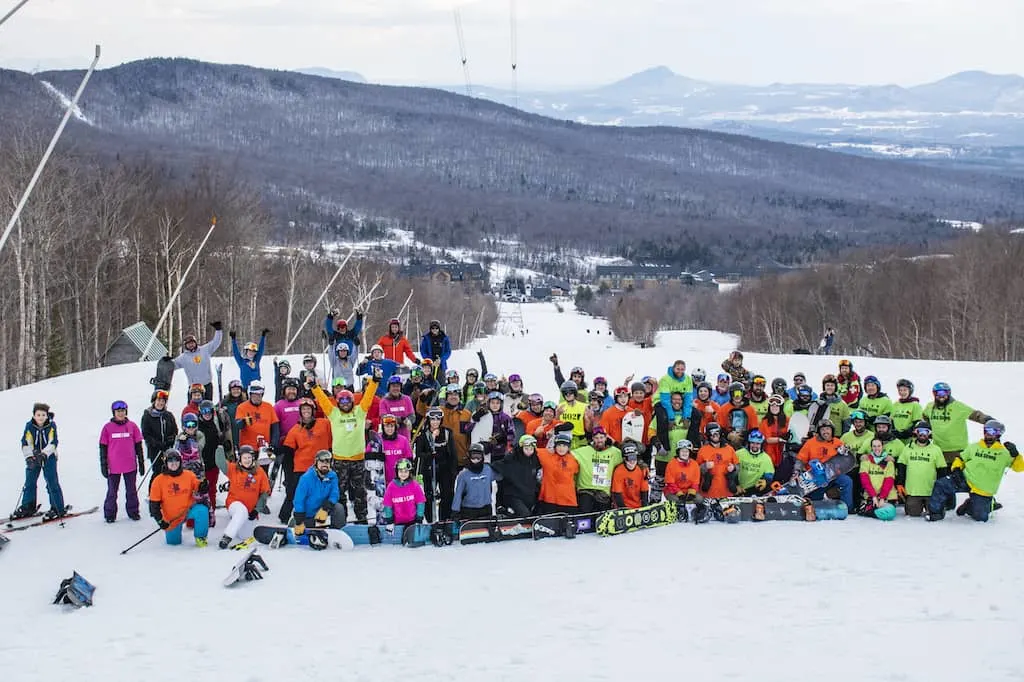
(397, 348)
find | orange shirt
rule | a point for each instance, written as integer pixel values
(307, 442)
(816, 448)
(647, 409)
(682, 477)
(774, 450)
(175, 495)
(263, 415)
(630, 484)
(722, 456)
(245, 487)
(541, 431)
(558, 485)
(611, 422)
(708, 412)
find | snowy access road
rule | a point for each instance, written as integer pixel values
(838, 600)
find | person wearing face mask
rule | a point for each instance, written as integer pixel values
(472, 498)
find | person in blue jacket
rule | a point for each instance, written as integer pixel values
(39, 447)
(339, 332)
(473, 487)
(799, 379)
(436, 346)
(378, 367)
(249, 358)
(316, 496)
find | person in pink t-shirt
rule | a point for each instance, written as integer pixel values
(395, 445)
(394, 402)
(120, 457)
(404, 500)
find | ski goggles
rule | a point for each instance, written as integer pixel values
(159, 395)
(923, 431)
(941, 393)
(993, 431)
(119, 405)
(234, 383)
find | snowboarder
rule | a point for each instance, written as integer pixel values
(195, 359)
(858, 438)
(720, 396)
(395, 444)
(848, 387)
(737, 417)
(404, 500)
(175, 496)
(343, 366)
(877, 475)
(519, 472)
(873, 402)
(682, 475)
(823, 447)
(717, 459)
(159, 431)
(395, 404)
(317, 494)
(235, 397)
(348, 444)
(378, 367)
(298, 451)
(800, 379)
(611, 419)
(978, 470)
(502, 433)
(258, 426)
(906, 412)
(394, 346)
(436, 346)
(196, 395)
(630, 487)
(558, 484)
(120, 457)
(597, 462)
(436, 462)
(459, 421)
(248, 359)
(472, 498)
(215, 427)
(247, 493)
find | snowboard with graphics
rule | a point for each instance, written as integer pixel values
(496, 530)
(818, 474)
(565, 525)
(619, 521)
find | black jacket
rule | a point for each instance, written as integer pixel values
(519, 475)
(158, 430)
(439, 451)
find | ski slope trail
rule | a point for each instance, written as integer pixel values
(844, 600)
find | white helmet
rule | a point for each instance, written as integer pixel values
(256, 386)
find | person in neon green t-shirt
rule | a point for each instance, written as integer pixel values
(756, 468)
(594, 479)
(917, 468)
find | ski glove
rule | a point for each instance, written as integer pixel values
(103, 470)
(264, 332)
(232, 333)
(1011, 448)
(320, 518)
(164, 525)
(217, 326)
(253, 515)
(204, 487)
(479, 414)
(299, 529)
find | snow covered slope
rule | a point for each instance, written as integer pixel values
(852, 600)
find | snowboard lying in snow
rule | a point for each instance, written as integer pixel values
(564, 525)
(619, 521)
(278, 536)
(496, 530)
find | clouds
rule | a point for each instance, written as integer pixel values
(561, 42)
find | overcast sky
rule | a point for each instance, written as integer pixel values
(560, 43)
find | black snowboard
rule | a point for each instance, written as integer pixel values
(164, 374)
(496, 530)
(564, 525)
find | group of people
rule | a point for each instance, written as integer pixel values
(403, 439)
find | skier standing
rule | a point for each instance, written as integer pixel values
(195, 359)
(873, 402)
(342, 365)
(120, 457)
(248, 493)
(436, 461)
(159, 430)
(348, 444)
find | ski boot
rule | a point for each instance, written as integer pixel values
(964, 508)
(201, 542)
(53, 514)
(225, 542)
(24, 512)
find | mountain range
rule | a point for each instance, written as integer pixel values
(971, 117)
(455, 169)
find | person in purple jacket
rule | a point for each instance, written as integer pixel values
(395, 403)
(503, 432)
(120, 457)
(287, 408)
(404, 500)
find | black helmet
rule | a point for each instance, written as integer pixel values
(779, 385)
(883, 419)
(822, 424)
(291, 382)
(906, 382)
(711, 428)
(476, 449)
(569, 387)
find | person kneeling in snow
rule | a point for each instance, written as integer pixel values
(317, 496)
(979, 471)
(249, 489)
(630, 484)
(404, 499)
(178, 494)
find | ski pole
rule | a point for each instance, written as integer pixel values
(149, 473)
(158, 529)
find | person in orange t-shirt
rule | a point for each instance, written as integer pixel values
(682, 474)
(719, 465)
(257, 420)
(175, 496)
(249, 490)
(558, 484)
(543, 428)
(311, 435)
(823, 447)
(631, 480)
(611, 418)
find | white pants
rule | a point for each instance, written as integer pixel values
(239, 527)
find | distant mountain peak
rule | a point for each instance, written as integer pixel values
(980, 78)
(654, 77)
(324, 72)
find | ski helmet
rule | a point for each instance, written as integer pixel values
(736, 387)
(600, 380)
(706, 385)
(994, 428)
(568, 387)
(246, 450)
(234, 383)
(251, 347)
(759, 380)
(206, 407)
(393, 321)
(577, 370)
(512, 378)
(882, 419)
(941, 390)
(527, 440)
(172, 455)
(495, 395)
(922, 428)
(476, 451)
(723, 378)
(755, 436)
(906, 382)
(562, 438)
(434, 324)
(189, 338)
(324, 456)
(118, 405)
(858, 414)
(190, 421)
(804, 392)
(829, 379)
(550, 405)
(683, 444)
(404, 465)
(779, 385)
(256, 386)
(845, 363)
(472, 371)
(698, 375)
(479, 387)
(637, 386)
(196, 388)
(376, 347)
(394, 379)
(712, 428)
(535, 399)
(307, 402)
(284, 364)
(290, 382)
(825, 423)
(490, 376)
(341, 346)
(452, 374)
(416, 372)
(776, 399)
(389, 419)
(872, 379)
(435, 413)
(630, 450)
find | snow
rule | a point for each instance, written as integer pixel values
(875, 600)
(65, 102)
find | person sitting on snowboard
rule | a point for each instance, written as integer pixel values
(175, 497)
(823, 447)
(248, 492)
(404, 499)
(316, 497)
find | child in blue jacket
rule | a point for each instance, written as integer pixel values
(39, 447)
